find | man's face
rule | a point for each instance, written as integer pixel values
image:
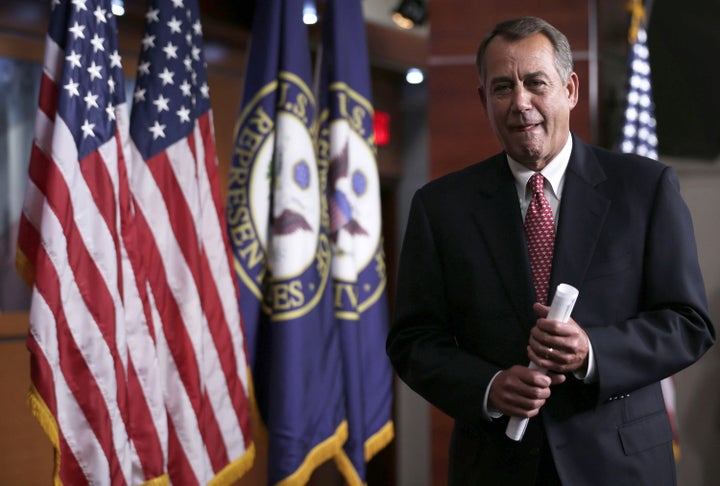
(527, 102)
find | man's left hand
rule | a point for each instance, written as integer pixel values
(557, 346)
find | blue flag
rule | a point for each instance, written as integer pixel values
(280, 233)
(346, 145)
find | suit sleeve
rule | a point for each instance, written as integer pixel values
(671, 329)
(421, 344)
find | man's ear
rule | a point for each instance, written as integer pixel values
(573, 87)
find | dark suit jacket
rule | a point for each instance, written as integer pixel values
(464, 311)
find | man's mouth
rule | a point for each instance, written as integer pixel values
(525, 127)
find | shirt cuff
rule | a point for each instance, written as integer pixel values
(490, 413)
(590, 375)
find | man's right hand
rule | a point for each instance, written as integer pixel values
(520, 391)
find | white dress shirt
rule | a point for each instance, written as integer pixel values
(554, 174)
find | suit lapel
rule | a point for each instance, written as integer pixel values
(498, 218)
(582, 214)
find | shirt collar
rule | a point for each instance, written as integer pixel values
(554, 171)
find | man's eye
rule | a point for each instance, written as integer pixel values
(501, 88)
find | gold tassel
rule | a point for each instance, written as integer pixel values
(637, 10)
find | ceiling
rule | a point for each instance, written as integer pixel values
(380, 12)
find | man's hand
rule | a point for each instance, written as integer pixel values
(557, 346)
(520, 391)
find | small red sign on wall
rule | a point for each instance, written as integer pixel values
(382, 128)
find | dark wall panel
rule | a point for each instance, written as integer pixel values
(459, 131)
(458, 26)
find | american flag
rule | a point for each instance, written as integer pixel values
(94, 385)
(638, 133)
(639, 137)
(174, 180)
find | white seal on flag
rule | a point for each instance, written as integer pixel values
(295, 222)
(355, 214)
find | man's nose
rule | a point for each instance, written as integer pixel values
(521, 99)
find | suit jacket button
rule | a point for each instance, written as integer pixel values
(535, 451)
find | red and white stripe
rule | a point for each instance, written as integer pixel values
(89, 393)
(201, 348)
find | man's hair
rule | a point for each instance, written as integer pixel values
(518, 29)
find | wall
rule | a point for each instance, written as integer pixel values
(698, 395)
(412, 422)
(25, 452)
(459, 131)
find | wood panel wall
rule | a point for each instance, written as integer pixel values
(25, 452)
(459, 131)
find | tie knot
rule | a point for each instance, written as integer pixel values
(536, 183)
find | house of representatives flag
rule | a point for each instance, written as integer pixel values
(639, 136)
(194, 295)
(94, 382)
(280, 232)
(346, 145)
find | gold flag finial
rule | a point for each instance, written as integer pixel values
(637, 10)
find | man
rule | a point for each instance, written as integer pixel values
(470, 311)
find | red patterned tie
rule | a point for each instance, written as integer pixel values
(540, 234)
